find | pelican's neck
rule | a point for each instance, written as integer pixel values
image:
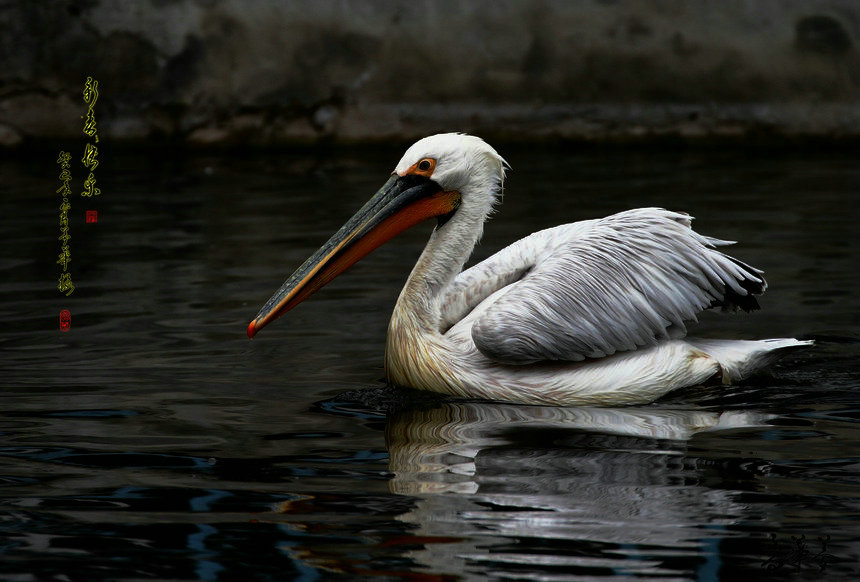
(445, 254)
(442, 259)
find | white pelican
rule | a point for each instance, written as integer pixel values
(588, 313)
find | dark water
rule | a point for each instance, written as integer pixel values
(154, 441)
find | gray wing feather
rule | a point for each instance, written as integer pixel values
(475, 284)
(595, 287)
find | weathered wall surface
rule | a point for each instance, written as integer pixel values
(267, 72)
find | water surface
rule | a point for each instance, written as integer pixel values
(154, 441)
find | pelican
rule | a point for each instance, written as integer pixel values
(591, 313)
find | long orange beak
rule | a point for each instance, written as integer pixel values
(401, 203)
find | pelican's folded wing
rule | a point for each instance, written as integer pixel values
(595, 287)
(474, 285)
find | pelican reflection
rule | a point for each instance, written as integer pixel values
(529, 486)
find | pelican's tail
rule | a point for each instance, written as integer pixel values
(739, 359)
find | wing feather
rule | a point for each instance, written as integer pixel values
(595, 287)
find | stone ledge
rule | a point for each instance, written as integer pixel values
(744, 123)
(239, 73)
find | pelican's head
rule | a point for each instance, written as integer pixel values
(439, 176)
(458, 162)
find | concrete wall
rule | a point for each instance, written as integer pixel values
(221, 72)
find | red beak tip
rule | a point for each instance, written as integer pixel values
(252, 329)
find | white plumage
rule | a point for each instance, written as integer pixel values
(588, 313)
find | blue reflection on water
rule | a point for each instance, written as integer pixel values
(204, 502)
(709, 571)
(306, 573)
(206, 568)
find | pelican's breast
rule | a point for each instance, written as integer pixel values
(420, 357)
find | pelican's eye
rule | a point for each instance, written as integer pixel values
(425, 167)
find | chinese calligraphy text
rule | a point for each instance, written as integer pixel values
(65, 283)
(90, 159)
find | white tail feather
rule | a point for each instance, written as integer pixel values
(741, 358)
